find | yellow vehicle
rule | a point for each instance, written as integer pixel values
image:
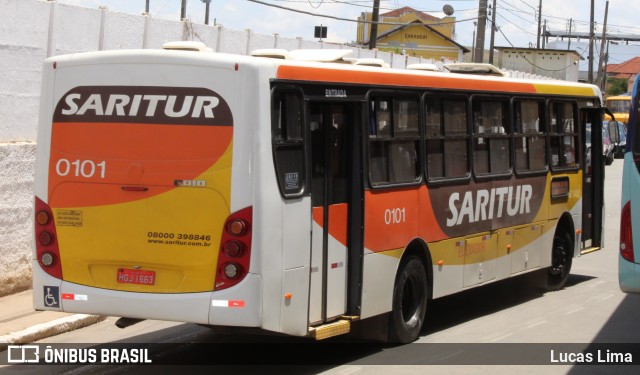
(619, 106)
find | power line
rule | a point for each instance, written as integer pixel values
(315, 7)
(352, 20)
(544, 15)
(535, 65)
(367, 4)
(516, 26)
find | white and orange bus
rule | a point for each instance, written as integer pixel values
(295, 194)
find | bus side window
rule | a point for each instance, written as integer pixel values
(456, 158)
(446, 138)
(288, 144)
(393, 140)
(491, 151)
(563, 135)
(434, 138)
(529, 136)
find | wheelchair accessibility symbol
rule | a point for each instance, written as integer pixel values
(52, 296)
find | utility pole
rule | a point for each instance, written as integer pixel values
(493, 31)
(183, 9)
(146, 8)
(482, 23)
(602, 44)
(544, 34)
(473, 47)
(374, 24)
(591, 37)
(206, 11)
(606, 65)
(539, 25)
(570, 24)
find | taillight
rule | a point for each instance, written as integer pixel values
(626, 235)
(235, 249)
(47, 249)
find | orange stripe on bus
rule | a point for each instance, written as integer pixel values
(394, 218)
(338, 222)
(318, 216)
(399, 79)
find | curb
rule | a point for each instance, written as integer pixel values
(48, 329)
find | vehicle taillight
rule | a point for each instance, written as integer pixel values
(626, 235)
(47, 249)
(235, 249)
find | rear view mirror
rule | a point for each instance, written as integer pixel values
(614, 133)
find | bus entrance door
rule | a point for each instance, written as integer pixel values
(331, 128)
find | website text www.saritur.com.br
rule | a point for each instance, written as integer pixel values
(180, 239)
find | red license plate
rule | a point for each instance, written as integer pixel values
(128, 276)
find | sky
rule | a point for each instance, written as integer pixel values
(516, 19)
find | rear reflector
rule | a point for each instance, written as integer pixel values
(47, 251)
(235, 249)
(626, 234)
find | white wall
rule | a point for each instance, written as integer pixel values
(562, 65)
(17, 161)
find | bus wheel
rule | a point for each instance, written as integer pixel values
(409, 301)
(561, 259)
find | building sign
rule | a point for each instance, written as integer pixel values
(416, 36)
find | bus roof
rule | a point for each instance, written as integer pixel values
(358, 74)
(333, 66)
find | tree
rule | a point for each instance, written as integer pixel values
(616, 86)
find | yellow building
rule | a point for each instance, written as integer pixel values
(413, 33)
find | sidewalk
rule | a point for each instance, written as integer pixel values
(21, 324)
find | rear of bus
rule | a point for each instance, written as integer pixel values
(619, 107)
(134, 210)
(629, 259)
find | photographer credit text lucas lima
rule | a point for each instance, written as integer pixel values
(600, 356)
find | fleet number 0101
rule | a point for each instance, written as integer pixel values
(395, 216)
(81, 168)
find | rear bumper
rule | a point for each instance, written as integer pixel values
(240, 305)
(628, 276)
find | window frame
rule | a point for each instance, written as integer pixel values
(560, 135)
(369, 138)
(542, 132)
(478, 98)
(299, 143)
(443, 137)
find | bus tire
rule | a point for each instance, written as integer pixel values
(561, 260)
(410, 294)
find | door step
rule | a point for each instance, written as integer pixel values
(589, 250)
(336, 328)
